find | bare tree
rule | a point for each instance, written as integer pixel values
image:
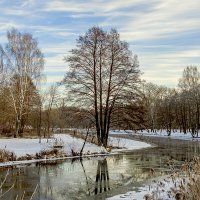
(102, 69)
(176, 108)
(154, 95)
(189, 85)
(51, 100)
(23, 61)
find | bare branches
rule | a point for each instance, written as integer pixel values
(173, 109)
(101, 70)
(23, 62)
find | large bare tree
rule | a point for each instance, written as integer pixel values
(101, 71)
(23, 62)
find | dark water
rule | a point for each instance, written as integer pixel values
(97, 178)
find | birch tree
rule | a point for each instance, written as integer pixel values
(101, 70)
(24, 62)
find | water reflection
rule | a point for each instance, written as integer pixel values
(96, 178)
(102, 177)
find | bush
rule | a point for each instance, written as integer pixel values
(187, 181)
(184, 184)
(6, 156)
(50, 153)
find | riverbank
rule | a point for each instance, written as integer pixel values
(29, 150)
(130, 171)
(161, 134)
(164, 187)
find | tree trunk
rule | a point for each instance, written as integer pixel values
(39, 124)
(87, 133)
(95, 96)
(16, 133)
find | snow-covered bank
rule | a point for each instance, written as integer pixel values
(164, 134)
(22, 147)
(126, 144)
(153, 190)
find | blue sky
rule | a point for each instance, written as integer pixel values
(165, 34)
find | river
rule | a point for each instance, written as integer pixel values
(100, 177)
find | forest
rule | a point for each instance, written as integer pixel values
(104, 90)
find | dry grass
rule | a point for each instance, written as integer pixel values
(187, 181)
(6, 156)
(184, 183)
(51, 153)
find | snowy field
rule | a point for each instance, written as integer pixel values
(22, 147)
(174, 135)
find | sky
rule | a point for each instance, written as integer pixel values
(165, 34)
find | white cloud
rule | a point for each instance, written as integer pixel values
(102, 6)
(16, 12)
(4, 26)
(166, 17)
(56, 62)
(163, 18)
(52, 29)
(169, 81)
(166, 68)
(28, 3)
(56, 49)
(139, 21)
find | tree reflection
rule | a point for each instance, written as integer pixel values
(102, 177)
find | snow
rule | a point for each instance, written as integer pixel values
(22, 147)
(163, 134)
(121, 132)
(127, 144)
(155, 189)
(76, 144)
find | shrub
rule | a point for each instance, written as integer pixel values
(6, 156)
(187, 181)
(184, 183)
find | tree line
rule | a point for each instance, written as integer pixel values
(175, 108)
(104, 90)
